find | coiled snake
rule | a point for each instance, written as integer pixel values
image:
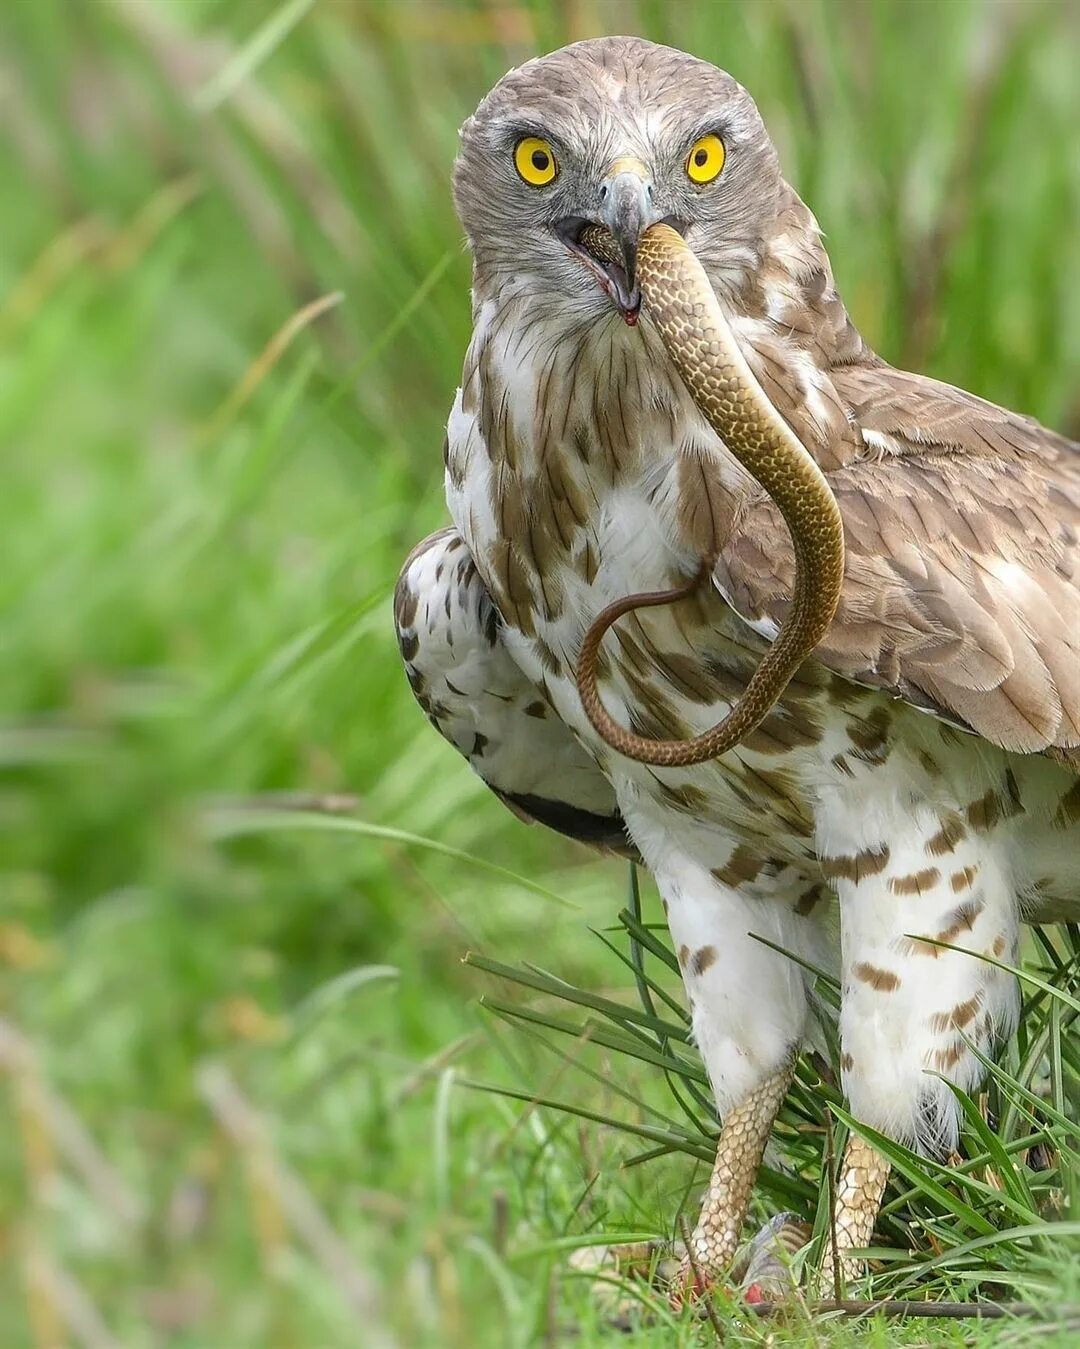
(688, 317)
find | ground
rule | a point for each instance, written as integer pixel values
(238, 872)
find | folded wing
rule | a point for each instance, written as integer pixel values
(962, 585)
(479, 700)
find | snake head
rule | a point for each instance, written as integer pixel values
(611, 256)
(601, 252)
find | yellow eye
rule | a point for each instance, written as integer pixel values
(706, 159)
(534, 159)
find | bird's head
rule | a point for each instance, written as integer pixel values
(619, 132)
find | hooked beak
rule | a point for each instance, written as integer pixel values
(627, 210)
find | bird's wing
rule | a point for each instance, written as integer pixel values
(479, 700)
(962, 584)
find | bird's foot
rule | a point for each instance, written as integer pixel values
(761, 1272)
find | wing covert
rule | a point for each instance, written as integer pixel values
(962, 584)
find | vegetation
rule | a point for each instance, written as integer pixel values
(238, 871)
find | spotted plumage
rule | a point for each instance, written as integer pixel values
(915, 786)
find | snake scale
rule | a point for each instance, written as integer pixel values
(684, 309)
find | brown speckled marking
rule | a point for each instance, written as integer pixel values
(702, 959)
(683, 670)
(930, 765)
(948, 836)
(857, 867)
(962, 919)
(511, 583)
(958, 921)
(589, 562)
(684, 956)
(841, 693)
(960, 1015)
(547, 657)
(983, 814)
(686, 797)
(790, 726)
(705, 509)
(999, 944)
(916, 883)
(1015, 804)
(882, 980)
(962, 880)
(743, 866)
(810, 899)
(944, 1059)
(847, 1062)
(536, 709)
(652, 715)
(992, 807)
(406, 602)
(870, 736)
(564, 507)
(779, 784)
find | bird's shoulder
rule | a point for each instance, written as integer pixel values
(901, 413)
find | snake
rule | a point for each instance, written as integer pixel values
(683, 307)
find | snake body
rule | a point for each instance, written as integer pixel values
(681, 302)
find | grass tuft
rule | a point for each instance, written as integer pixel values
(994, 1217)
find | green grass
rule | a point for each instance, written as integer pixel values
(201, 527)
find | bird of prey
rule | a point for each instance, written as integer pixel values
(915, 787)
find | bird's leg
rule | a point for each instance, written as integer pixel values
(743, 1136)
(748, 1006)
(858, 1197)
(923, 896)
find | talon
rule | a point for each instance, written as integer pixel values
(688, 1286)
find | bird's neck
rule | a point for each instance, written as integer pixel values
(792, 291)
(794, 331)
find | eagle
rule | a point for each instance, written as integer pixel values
(913, 794)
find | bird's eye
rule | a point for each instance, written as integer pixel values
(706, 159)
(534, 160)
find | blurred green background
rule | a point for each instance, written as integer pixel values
(238, 870)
